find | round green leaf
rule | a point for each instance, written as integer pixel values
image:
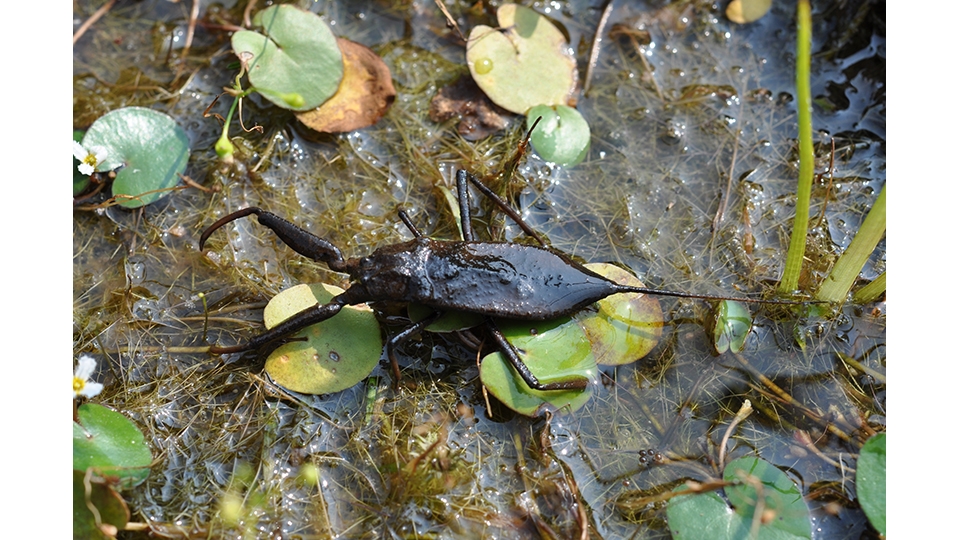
(338, 352)
(110, 443)
(152, 149)
(704, 515)
(109, 504)
(707, 515)
(731, 327)
(562, 136)
(297, 65)
(553, 350)
(872, 481)
(625, 327)
(524, 64)
(780, 495)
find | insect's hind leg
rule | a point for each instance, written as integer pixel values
(572, 383)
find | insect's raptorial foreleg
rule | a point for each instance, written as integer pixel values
(303, 242)
(303, 319)
(573, 383)
(403, 336)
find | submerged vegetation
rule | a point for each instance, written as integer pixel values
(689, 181)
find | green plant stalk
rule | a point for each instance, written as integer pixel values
(798, 238)
(847, 268)
(224, 147)
(871, 291)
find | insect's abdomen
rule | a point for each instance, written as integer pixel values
(508, 280)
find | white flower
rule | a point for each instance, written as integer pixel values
(82, 385)
(89, 159)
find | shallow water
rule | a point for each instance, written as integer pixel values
(430, 459)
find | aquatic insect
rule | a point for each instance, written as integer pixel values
(497, 280)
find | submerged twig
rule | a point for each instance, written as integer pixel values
(83, 198)
(246, 13)
(450, 21)
(785, 397)
(188, 41)
(115, 200)
(192, 183)
(725, 198)
(741, 415)
(631, 35)
(93, 18)
(595, 48)
(826, 196)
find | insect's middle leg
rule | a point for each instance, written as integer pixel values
(463, 176)
(301, 320)
(403, 336)
(463, 198)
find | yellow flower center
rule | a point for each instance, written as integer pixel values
(90, 160)
(78, 384)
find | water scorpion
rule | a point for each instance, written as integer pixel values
(496, 280)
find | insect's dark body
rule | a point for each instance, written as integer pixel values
(509, 281)
(492, 279)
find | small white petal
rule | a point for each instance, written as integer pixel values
(85, 168)
(79, 151)
(85, 366)
(100, 153)
(91, 389)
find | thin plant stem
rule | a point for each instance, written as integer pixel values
(798, 238)
(93, 19)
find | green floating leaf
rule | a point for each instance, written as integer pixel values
(80, 180)
(338, 352)
(625, 327)
(872, 481)
(562, 136)
(109, 504)
(297, 65)
(111, 444)
(152, 149)
(524, 64)
(553, 350)
(731, 327)
(785, 515)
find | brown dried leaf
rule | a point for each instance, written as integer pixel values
(365, 93)
(479, 117)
